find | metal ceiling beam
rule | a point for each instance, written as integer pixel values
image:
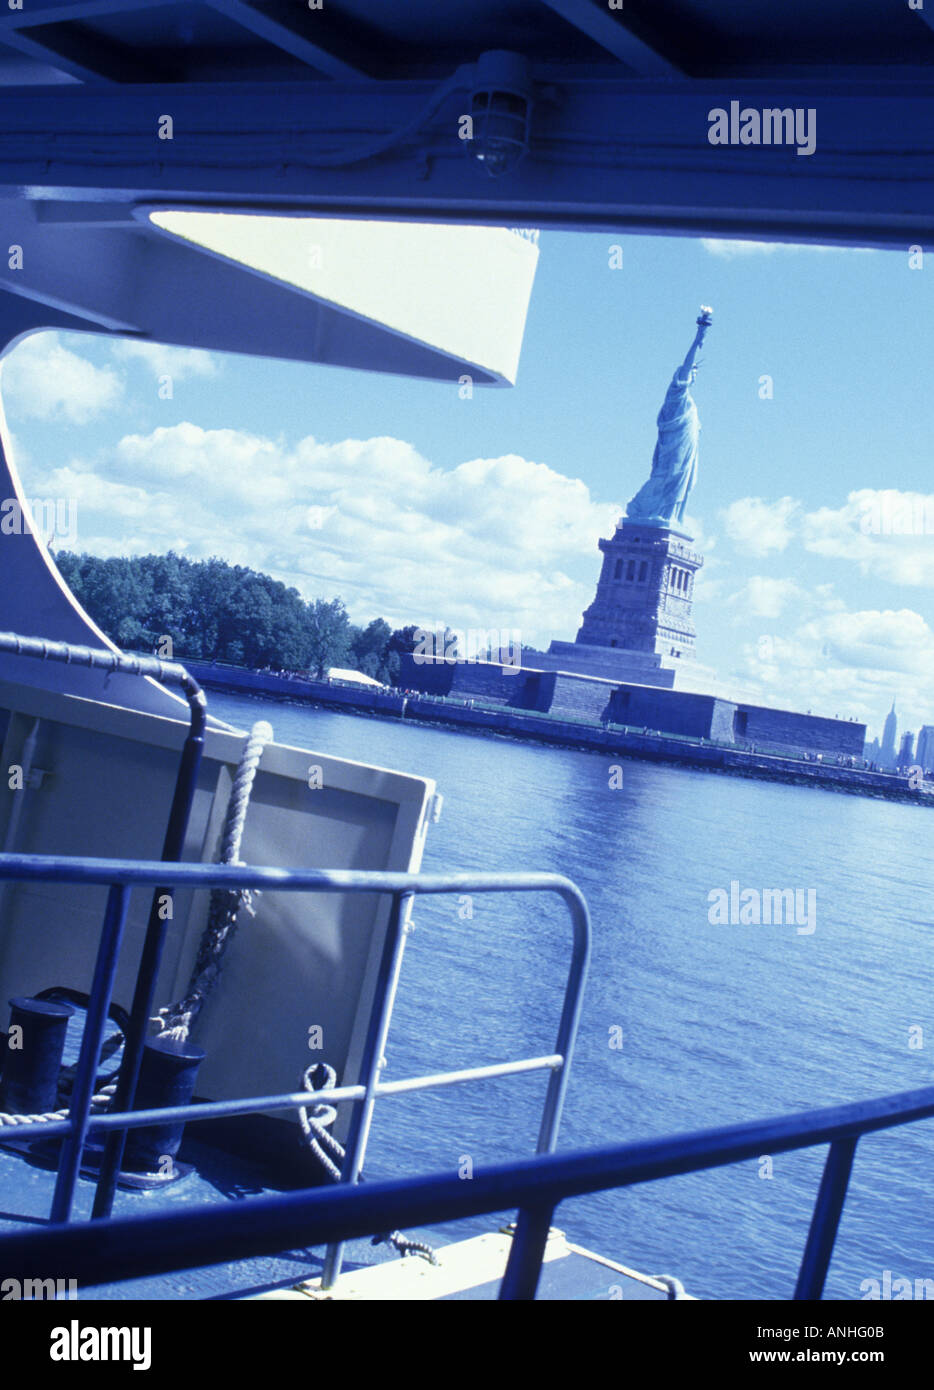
(89, 59)
(71, 214)
(618, 154)
(62, 12)
(72, 64)
(315, 54)
(607, 29)
(91, 272)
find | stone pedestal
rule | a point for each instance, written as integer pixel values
(606, 663)
(639, 625)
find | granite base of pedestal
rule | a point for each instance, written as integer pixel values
(607, 663)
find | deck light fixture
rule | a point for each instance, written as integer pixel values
(501, 111)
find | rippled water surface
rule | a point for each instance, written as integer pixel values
(719, 1023)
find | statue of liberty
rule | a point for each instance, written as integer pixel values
(662, 499)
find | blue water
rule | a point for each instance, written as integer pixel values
(719, 1023)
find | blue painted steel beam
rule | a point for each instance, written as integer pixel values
(131, 1248)
(308, 47)
(610, 30)
(79, 68)
(620, 154)
(75, 51)
(61, 12)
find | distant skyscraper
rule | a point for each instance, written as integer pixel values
(887, 752)
(906, 750)
(924, 753)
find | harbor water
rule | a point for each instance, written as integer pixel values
(691, 1017)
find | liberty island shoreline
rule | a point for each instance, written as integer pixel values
(485, 721)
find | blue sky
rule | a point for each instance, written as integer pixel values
(416, 505)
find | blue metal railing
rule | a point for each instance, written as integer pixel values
(131, 1248)
(122, 875)
(173, 847)
(152, 1245)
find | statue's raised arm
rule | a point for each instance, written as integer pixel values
(662, 499)
(689, 365)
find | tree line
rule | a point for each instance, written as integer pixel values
(214, 611)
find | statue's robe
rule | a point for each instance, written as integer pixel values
(662, 499)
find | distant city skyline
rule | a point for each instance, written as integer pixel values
(902, 747)
(419, 505)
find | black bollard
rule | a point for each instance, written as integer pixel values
(167, 1077)
(31, 1068)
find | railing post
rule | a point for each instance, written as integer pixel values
(151, 958)
(567, 1028)
(173, 846)
(524, 1266)
(386, 981)
(95, 1021)
(823, 1232)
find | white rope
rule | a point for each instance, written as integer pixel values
(175, 1020)
(101, 1098)
(320, 1078)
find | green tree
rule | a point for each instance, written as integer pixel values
(403, 640)
(368, 648)
(220, 612)
(327, 635)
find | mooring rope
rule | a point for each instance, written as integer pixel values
(106, 1082)
(99, 1100)
(175, 1020)
(320, 1078)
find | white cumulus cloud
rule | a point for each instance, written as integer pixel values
(884, 532)
(728, 248)
(847, 663)
(165, 360)
(492, 542)
(43, 380)
(875, 640)
(757, 527)
(765, 597)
